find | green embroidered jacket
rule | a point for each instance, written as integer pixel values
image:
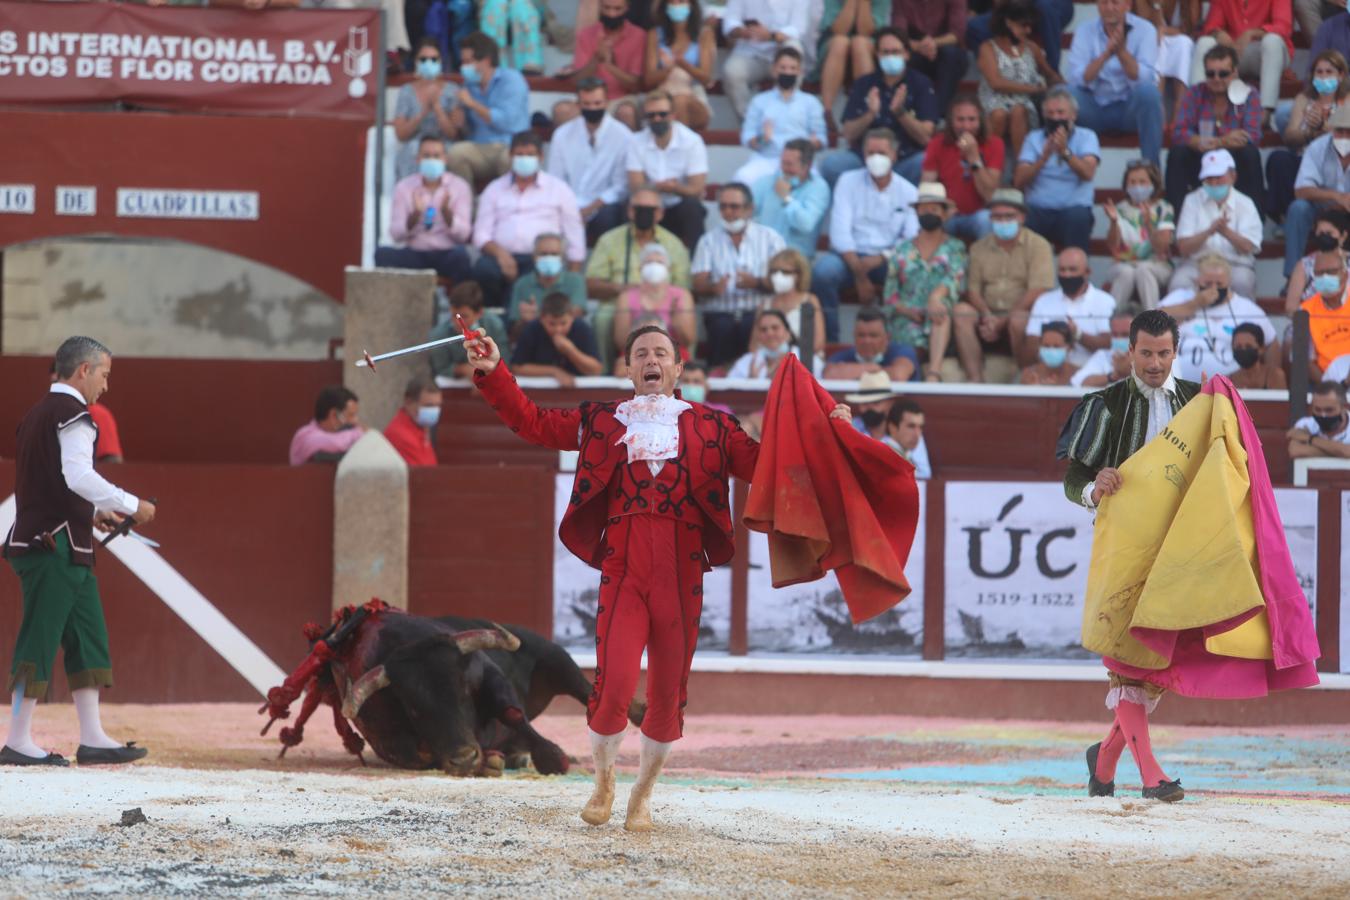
(1106, 428)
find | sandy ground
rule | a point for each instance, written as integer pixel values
(808, 806)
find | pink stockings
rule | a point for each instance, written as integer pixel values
(1130, 727)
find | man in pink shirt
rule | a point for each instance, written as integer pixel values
(333, 430)
(430, 216)
(611, 50)
(515, 209)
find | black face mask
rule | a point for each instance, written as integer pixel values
(659, 127)
(644, 218)
(1220, 295)
(612, 23)
(593, 116)
(1246, 356)
(1071, 284)
(787, 82)
(1325, 242)
(871, 418)
(1329, 424)
(1053, 125)
(930, 222)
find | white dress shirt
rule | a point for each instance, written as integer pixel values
(77, 464)
(1206, 346)
(867, 219)
(1198, 211)
(790, 18)
(594, 164)
(1091, 313)
(1159, 415)
(716, 255)
(685, 156)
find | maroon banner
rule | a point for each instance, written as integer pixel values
(309, 62)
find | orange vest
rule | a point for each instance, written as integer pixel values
(1330, 329)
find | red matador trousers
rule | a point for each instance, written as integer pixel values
(651, 595)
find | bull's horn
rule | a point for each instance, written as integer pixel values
(494, 638)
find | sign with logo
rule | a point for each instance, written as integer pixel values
(316, 62)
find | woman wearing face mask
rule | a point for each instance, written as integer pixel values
(790, 274)
(1326, 89)
(846, 29)
(1140, 236)
(925, 277)
(681, 52)
(1013, 72)
(427, 107)
(1249, 345)
(655, 298)
(1331, 231)
(772, 342)
(1052, 366)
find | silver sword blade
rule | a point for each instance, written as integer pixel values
(361, 363)
(143, 539)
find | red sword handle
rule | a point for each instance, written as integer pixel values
(469, 335)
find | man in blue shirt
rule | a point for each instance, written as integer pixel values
(781, 114)
(793, 200)
(873, 351)
(1111, 69)
(558, 344)
(495, 103)
(895, 97)
(1055, 170)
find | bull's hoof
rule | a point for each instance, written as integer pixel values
(493, 764)
(549, 759)
(601, 805)
(639, 813)
(637, 711)
(518, 761)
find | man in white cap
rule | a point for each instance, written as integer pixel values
(1218, 219)
(1323, 182)
(870, 402)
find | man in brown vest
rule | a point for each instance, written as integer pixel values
(60, 501)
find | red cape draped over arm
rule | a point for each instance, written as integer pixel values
(830, 497)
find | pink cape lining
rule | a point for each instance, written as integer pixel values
(1194, 671)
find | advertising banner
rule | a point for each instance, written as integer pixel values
(311, 62)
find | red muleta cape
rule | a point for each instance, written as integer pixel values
(830, 497)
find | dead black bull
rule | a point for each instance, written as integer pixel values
(444, 693)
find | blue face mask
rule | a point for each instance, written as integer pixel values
(428, 416)
(1327, 285)
(549, 266)
(428, 68)
(432, 169)
(875, 359)
(1006, 231)
(1120, 345)
(470, 73)
(694, 393)
(1325, 86)
(1216, 192)
(793, 181)
(678, 12)
(525, 166)
(1054, 356)
(892, 64)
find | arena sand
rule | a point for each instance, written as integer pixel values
(764, 806)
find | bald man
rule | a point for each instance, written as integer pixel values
(1087, 310)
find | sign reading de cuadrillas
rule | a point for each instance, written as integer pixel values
(160, 203)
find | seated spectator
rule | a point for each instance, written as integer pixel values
(1207, 316)
(335, 427)
(513, 211)
(1052, 17)
(1328, 317)
(904, 435)
(655, 299)
(1261, 36)
(1140, 236)
(1338, 371)
(496, 105)
(1108, 366)
(896, 98)
(466, 302)
(1055, 170)
(1329, 26)
(516, 27)
(1013, 74)
(108, 444)
(681, 54)
(612, 50)
(1323, 182)
(410, 429)
(793, 200)
(1309, 119)
(1052, 366)
(1086, 311)
(1331, 231)
(872, 351)
(674, 160)
(925, 279)
(756, 29)
(936, 33)
(781, 114)
(1326, 432)
(590, 153)
(1218, 219)
(558, 344)
(1253, 372)
(549, 275)
(694, 385)
(969, 163)
(1174, 21)
(424, 108)
(871, 402)
(1211, 119)
(772, 342)
(1009, 268)
(846, 28)
(790, 277)
(1111, 69)
(873, 211)
(731, 274)
(431, 216)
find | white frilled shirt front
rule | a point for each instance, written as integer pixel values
(653, 432)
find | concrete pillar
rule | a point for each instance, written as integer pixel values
(385, 309)
(370, 524)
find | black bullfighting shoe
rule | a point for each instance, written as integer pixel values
(1097, 788)
(109, 756)
(10, 757)
(1166, 791)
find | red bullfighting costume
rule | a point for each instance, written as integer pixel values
(650, 508)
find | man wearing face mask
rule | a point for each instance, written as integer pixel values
(1110, 365)
(673, 159)
(1055, 169)
(1254, 373)
(1326, 432)
(335, 427)
(430, 215)
(872, 351)
(1052, 366)
(1218, 219)
(611, 50)
(871, 401)
(550, 276)
(1328, 315)
(781, 114)
(1085, 309)
(411, 428)
(1208, 317)
(757, 29)
(496, 107)
(590, 153)
(793, 200)
(1323, 181)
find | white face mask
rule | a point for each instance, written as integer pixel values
(655, 272)
(734, 226)
(879, 165)
(1342, 145)
(783, 282)
(776, 350)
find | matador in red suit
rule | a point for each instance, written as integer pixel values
(650, 509)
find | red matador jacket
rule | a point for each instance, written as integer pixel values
(713, 448)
